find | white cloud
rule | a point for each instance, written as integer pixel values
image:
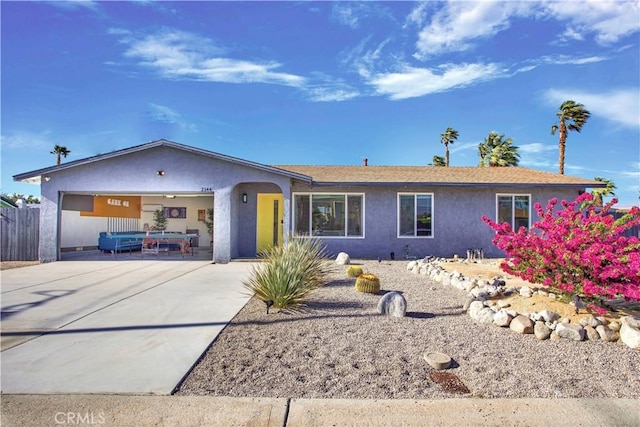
(458, 25)
(331, 94)
(608, 20)
(536, 148)
(161, 113)
(572, 60)
(411, 82)
(621, 106)
(75, 4)
(352, 13)
(27, 139)
(184, 56)
(346, 14)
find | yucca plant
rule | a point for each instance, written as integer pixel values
(288, 273)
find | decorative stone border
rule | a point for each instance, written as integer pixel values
(544, 325)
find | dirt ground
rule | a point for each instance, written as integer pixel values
(5, 265)
(489, 269)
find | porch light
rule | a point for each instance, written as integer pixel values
(244, 198)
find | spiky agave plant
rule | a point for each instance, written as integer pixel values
(289, 273)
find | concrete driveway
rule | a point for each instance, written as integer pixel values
(112, 326)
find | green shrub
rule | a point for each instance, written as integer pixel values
(289, 273)
(354, 271)
(368, 283)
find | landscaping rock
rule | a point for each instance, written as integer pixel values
(521, 324)
(606, 334)
(343, 259)
(467, 303)
(474, 308)
(526, 292)
(485, 315)
(614, 326)
(541, 331)
(630, 333)
(570, 331)
(549, 316)
(393, 304)
(499, 283)
(437, 360)
(592, 334)
(590, 321)
(503, 304)
(502, 318)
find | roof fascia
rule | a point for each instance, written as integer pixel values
(165, 143)
(452, 184)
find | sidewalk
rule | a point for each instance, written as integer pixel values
(119, 410)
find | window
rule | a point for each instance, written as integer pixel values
(328, 215)
(415, 215)
(514, 209)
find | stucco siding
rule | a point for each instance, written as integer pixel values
(137, 173)
(457, 222)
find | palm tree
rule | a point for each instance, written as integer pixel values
(60, 150)
(448, 137)
(438, 161)
(572, 116)
(497, 151)
(599, 193)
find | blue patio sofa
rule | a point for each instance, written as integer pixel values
(108, 244)
(128, 243)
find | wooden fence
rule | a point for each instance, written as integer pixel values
(19, 234)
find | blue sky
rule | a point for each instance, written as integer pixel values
(322, 82)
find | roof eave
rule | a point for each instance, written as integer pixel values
(450, 184)
(34, 177)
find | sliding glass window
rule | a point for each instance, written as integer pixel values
(329, 215)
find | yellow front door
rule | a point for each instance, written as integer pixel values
(270, 219)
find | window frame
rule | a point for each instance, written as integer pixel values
(513, 209)
(415, 208)
(346, 214)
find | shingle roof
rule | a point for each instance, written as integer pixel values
(435, 175)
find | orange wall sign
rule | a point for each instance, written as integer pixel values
(115, 206)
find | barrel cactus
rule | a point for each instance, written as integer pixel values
(368, 283)
(354, 271)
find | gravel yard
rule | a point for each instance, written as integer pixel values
(340, 347)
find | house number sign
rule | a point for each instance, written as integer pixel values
(206, 189)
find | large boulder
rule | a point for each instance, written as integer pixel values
(343, 259)
(630, 332)
(393, 304)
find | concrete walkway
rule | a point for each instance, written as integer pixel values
(112, 326)
(175, 411)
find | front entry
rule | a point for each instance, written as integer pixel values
(270, 220)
